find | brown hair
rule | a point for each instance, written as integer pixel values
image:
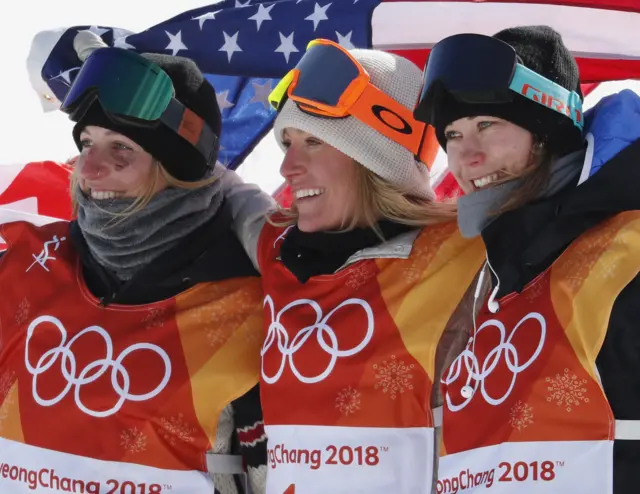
(379, 199)
(534, 178)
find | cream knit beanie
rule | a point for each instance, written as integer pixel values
(400, 79)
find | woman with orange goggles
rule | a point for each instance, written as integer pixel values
(362, 276)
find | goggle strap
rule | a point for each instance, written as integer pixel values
(429, 147)
(278, 95)
(384, 114)
(545, 92)
(372, 107)
(191, 127)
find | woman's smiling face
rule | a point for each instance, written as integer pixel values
(485, 150)
(111, 165)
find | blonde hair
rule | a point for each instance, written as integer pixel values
(378, 199)
(147, 193)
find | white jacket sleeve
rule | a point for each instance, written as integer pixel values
(249, 207)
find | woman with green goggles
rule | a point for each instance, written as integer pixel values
(130, 342)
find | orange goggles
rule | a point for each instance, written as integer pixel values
(328, 82)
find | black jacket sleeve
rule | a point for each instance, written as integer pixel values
(619, 366)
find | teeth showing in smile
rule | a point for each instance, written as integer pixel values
(302, 193)
(104, 194)
(484, 181)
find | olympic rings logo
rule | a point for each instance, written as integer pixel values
(76, 378)
(325, 335)
(479, 373)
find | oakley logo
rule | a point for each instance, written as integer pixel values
(392, 120)
(550, 101)
(325, 335)
(76, 378)
(478, 372)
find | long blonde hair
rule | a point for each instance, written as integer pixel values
(147, 193)
(378, 199)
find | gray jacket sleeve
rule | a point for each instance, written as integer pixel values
(249, 207)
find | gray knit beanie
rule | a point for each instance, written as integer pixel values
(400, 79)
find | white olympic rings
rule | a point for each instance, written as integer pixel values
(479, 373)
(91, 372)
(287, 349)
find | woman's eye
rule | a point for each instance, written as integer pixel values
(484, 124)
(122, 147)
(451, 134)
(286, 144)
(85, 143)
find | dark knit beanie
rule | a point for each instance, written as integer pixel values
(179, 157)
(541, 49)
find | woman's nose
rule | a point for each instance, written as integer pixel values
(291, 164)
(90, 165)
(471, 156)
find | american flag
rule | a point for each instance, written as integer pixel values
(244, 46)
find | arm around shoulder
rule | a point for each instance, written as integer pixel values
(249, 206)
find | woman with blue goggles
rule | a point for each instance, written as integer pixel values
(546, 395)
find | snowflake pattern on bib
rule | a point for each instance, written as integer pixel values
(393, 376)
(567, 390)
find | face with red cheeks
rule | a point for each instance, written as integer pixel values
(111, 165)
(483, 151)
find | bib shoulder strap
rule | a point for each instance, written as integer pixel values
(221, 464)
(627, 430)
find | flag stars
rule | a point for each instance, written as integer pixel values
(223, 100)
(286, 46)
(122, 43)
(345, 41)
(261, 93)
(209, 16)
(262, 15)
(66, 75)
(120, 39)
(319, 14)
(175, 43)
(230, 45)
